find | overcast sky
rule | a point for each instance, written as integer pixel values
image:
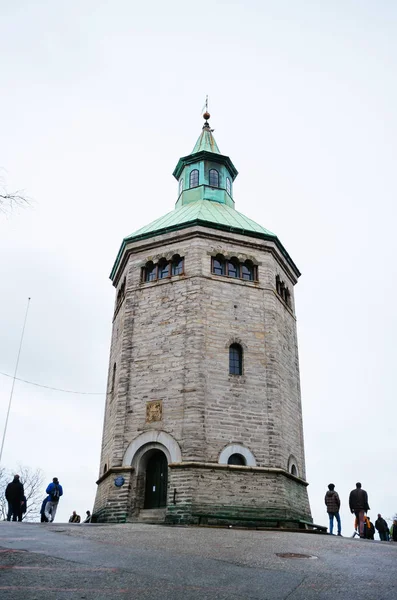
(98, 101)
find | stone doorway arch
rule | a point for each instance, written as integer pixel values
(141, 454)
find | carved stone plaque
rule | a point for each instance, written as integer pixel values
(154, 411)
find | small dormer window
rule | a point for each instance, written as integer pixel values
(194, 178)
(214, 178)
(228, 186)
(180, 185)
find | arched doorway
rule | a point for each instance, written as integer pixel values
(156, 480)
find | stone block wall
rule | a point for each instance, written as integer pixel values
(171, 341)
(232, 493)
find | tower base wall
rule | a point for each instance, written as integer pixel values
(201, 493)
(249, 496)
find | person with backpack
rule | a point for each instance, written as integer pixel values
(55, 491)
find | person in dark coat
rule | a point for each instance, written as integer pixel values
(358, 502)
(14, 495)
(382, 528)
(332, 502)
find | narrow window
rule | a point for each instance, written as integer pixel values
(105, 468)
(218, 265)
(214, 178)
(278, 285)
(163, 269)
(150, 272)
(233, 268)
(247, 271)
(236, 459)
(235, 359)
(180, 185)
(294, 470)
(177, 265)
(194, 178)
(113, 381)
(228, 186)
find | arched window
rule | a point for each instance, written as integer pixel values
(214, 178)
(292, 468)
(194, 178)
(235, 359)
(177, 265)
(163, 269)
(233, 268)
(247, 271)
(150, 271)
(218, 265)
(228, 186)
(236, 459)
(180, 185)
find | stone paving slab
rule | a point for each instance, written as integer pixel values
(144, 561)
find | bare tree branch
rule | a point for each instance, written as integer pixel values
(8, 202)
(12, 200)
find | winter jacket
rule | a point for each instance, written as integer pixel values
(332, 501)
(14, 491)
(358, 500)
(369, 529)
(50, 489)
(42, 509)
(381, 525)
(393, 533)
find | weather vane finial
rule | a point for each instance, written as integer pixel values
(206, 114)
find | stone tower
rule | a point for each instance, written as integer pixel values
(203, 411)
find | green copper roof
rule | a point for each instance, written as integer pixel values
(206, 141)
(205, 213)
(213, 213)
(205, 206)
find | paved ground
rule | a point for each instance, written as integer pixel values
(149, 562)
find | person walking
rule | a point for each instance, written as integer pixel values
(332, 502)
(55, 491)
(382, 528)
(358, 502)
(14, 495)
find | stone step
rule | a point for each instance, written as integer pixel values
(152, 515)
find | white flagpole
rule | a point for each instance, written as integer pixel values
(13, 381)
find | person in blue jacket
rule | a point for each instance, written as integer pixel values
(43, 518)
(55, 491)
